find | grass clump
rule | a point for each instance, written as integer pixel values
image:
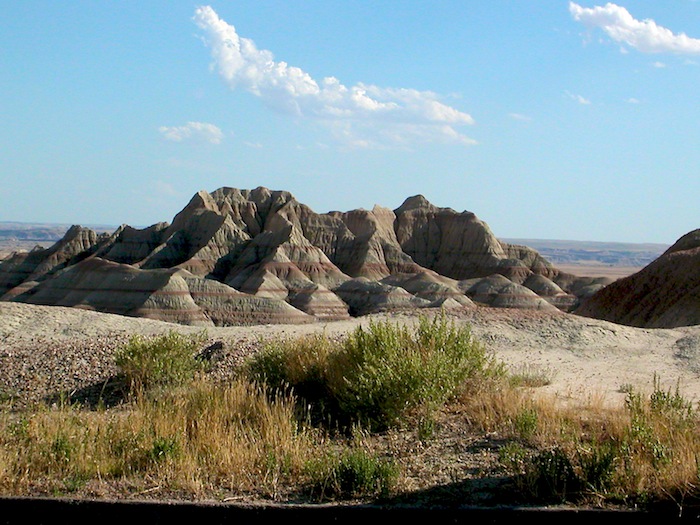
(525, 422)
(531, 376)
(379, 374)
(162, 361)
(353, 473)
(299, 364)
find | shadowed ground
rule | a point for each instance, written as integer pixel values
(35, 511)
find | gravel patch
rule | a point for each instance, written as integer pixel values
(45, 350)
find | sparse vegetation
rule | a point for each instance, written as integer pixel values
(352, 473)
(531, 376)
(163, 361)
(393, 391)
(643, 453)
(378, 375)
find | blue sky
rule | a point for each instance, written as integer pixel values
(548, 119)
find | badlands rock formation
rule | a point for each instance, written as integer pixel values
(664, 294)
(259, 256)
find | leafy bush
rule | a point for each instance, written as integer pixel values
(165, 360)
(386, 370)
(378, 374)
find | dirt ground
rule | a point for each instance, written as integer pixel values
(68, 347)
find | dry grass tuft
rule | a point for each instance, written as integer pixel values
(193, 440)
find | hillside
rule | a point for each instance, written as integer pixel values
(259, 256)
(664, 294)
(49, 352)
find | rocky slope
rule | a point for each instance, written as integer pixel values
(259, 256)
(664, 294)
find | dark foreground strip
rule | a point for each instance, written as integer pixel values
(32, 511)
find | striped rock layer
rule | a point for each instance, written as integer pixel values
(259, 256)
(663, 294)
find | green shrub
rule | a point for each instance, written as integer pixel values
(352, 474)
(61, 449)
(164, 447)
(512, 456)
(598, 463)
(525, 423)
(161, 361)
(645, 435)
(672, 406)
(426, 427)
(378, 374)
(551, 476)
(385, 371)
(74, 482)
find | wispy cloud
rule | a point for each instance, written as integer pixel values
(578, 98)
(643, 35)
(193, 130)
(519, 116)
(165, 188)
(363, 114)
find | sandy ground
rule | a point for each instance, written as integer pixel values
(585, 358)
(598, 270)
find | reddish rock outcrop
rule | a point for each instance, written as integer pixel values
(664, 294)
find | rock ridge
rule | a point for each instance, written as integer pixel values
(236, 256)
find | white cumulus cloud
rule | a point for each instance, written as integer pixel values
(193, 130)
(644, 35)
(366, 113)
